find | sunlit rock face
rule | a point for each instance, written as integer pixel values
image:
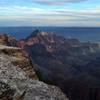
(18, 80)
(67, 63)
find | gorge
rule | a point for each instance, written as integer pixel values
(65, 62)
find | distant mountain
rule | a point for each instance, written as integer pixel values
(68, 63)
(82, 33)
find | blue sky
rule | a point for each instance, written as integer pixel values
(50, 13)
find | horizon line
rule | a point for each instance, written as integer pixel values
(55, 26)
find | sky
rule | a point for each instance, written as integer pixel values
(78, 13)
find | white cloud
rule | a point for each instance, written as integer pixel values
(56, 2)
(38, 16)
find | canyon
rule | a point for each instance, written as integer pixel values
(64, 62)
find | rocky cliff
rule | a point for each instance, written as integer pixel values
(18, 80)
(5, 39)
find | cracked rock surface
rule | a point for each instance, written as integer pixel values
(16, 85)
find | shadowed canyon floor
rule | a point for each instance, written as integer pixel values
(68, 63)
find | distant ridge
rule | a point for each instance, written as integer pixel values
(85, 34)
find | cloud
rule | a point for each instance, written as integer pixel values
(25, 16)
(56, 2)
(44, 2)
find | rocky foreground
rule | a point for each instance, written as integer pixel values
(18, 80)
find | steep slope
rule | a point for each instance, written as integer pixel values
(18, 80)
(65, 63)
(19, 59)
